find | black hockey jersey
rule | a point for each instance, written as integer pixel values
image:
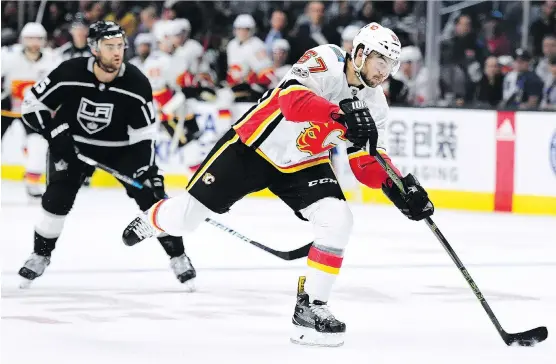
(111, 114)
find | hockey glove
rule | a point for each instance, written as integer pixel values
(361, 128)
(415, 203)
(63, 152)
(151, 179)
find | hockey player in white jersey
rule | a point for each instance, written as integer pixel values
(250, 70)
(283, 143)
(280, 51)
(22, 66)
(161, 70)
(143, 44)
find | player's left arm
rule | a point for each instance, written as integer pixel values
(415, 203)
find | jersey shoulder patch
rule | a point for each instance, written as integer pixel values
(339, 53)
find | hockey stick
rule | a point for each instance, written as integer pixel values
(285, 255)
(526, 338)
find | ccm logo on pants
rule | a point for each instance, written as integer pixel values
(322, 181)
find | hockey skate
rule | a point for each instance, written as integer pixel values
(34, 267)
(184, 271)
(313, 323)
(138, 230)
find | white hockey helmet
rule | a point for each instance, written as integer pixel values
(410, 54)
(33, 30)
(280, 44)
(349, 33)
(143, 38)
(244, 21)
(375, 37)
(181, 25)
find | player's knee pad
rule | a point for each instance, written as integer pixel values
(50, 225)
(59, 197)
(183, 213)
(332, 222)
(36, 154)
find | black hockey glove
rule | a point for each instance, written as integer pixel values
(63, 152)
(361, 128)
(415, 203)
(151, 179)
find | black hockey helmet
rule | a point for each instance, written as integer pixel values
(104, 30)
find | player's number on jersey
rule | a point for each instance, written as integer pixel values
(41, 86)
(312, 54)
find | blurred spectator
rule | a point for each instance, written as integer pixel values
(506, 64)
(316, 32)
(402, 22)
(148, 18)
(489, 89)
(9, 15)
(463, 47)
(496, 40)
(549, 51)
(543, 26)
(125, 18)
(522, 87)
(280, 50)
(53, 18)
(452, 81)
(368, 13)
(343, 18)
(549, 91)
(347, 37)
(278, 22)
(93, 11)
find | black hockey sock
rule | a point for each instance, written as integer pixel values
(44, 246)
(173, 245)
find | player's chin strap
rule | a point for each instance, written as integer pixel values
(357, 69)
(287, 255)
(526, 338)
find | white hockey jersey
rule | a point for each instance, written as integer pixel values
(292, 146)
(19, 73)
(187, 60)
(248, 62)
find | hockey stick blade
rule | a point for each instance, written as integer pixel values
(527, 338)
(288, 255)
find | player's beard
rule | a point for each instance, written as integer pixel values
(371, 81)
(109, 67)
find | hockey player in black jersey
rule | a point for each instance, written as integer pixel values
(104, 110)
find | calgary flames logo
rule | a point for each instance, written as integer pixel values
(318, 138)
(19, 88)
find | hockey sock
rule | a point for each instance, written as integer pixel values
(173, 245)
(178, 215)
(47, 231)
(323, 267)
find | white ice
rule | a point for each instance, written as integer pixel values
(400, 294)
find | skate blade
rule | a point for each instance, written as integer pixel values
(310, 337)
(189, 286)
(25, 283)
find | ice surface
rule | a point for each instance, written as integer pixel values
(401, 296)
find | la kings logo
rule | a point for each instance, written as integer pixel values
(93, 116)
